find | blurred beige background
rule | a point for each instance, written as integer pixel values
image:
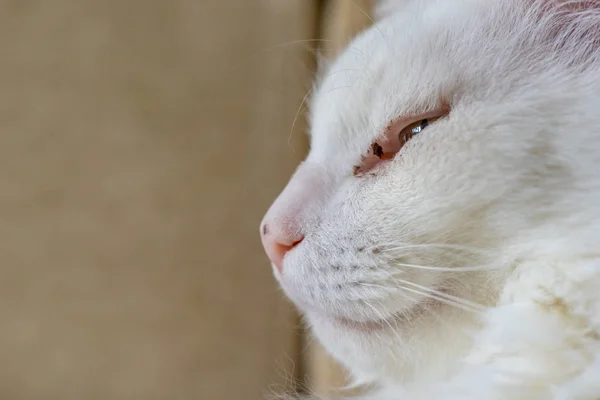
(140, 143)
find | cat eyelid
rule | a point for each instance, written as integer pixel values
(385, 147)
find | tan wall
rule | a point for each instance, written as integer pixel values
(140, 143)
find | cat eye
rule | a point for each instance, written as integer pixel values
(396, 135)
(415, 128)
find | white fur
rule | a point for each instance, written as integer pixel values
(385, 8)
(501, 199)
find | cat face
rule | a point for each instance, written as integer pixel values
(438, 150)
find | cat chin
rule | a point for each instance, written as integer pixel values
(357, 345)
(409, 346)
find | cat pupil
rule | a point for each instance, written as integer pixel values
(420, 127)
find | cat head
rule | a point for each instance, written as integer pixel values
(447, 143)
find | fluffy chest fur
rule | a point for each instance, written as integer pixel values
(442, 237)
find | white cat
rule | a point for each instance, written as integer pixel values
(443, 235)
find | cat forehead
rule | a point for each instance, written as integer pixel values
(389, 71)
(350, 101)
(436, 53)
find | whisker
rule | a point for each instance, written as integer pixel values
(374, 24)
(432, 311)
(448, 246)
(301, 107)
(448, 269)
(400, 289)
(434, 294)
(443, 294)
(385, 320)
(298, 113)
(440, 299)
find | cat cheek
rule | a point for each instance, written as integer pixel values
(372, 163)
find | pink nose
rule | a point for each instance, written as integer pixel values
(277, 244)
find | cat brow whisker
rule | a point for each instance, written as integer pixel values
(302, 108)
(375, 26)
(298, 113)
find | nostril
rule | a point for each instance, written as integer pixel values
(284, 248)
(278, 252)
(276, 246)
(296, 243)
